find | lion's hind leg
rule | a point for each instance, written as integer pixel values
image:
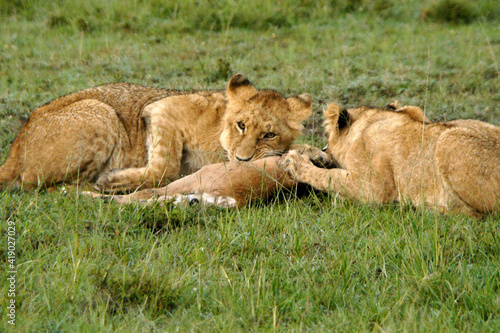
(469, 163)
(67, 145)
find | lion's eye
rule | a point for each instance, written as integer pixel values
(241, 125)
(269, 135)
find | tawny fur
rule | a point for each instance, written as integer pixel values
(125, 136)
(399, 155)
(224, 184)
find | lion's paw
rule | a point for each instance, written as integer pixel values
(316, 156)
(110, 181)
(292, 162)
(320, 158)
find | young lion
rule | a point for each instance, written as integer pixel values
(396, 155)
(124, 136)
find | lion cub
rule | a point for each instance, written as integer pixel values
(124, 136)
(397, 154)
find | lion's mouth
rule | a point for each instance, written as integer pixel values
(256, 156)
(274, 153)
(248, 159)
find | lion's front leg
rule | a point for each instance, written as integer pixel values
(303, 170)
(165, 149)
(125, 180)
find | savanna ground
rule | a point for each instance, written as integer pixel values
(310, 263)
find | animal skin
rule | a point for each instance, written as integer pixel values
(230, 184)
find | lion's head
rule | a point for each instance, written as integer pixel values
(260, 123)
(341, 122)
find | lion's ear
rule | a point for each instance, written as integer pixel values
(300, 106)
(393, 106)
(334, 115)
(240, 88)
(344, 118)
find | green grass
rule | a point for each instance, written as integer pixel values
(313, 263)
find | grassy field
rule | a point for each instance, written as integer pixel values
(309, 263)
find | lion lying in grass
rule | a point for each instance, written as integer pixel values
(125, 136)
(396, 155)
